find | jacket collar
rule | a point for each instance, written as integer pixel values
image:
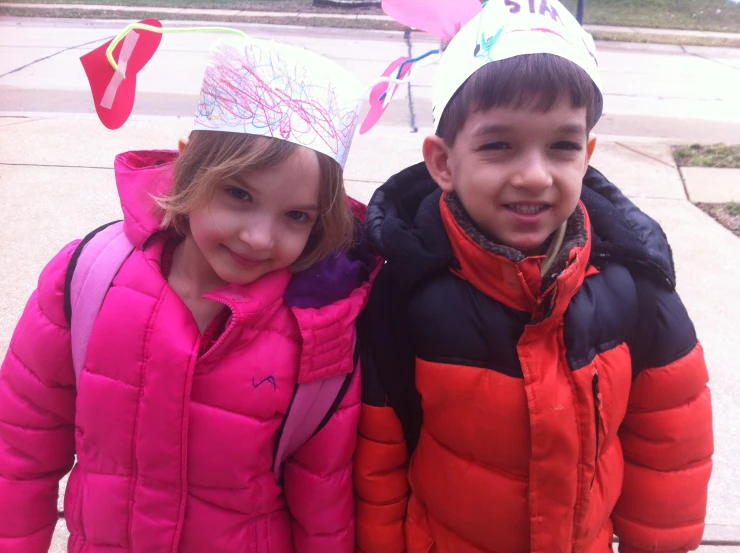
(405, 225)
(325, 298)
(509, 277)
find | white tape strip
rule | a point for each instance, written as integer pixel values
(126, 50)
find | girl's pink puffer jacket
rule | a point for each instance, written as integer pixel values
(174, 452)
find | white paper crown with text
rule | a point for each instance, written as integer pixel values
(507, 28)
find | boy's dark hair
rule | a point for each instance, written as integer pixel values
(535, 81)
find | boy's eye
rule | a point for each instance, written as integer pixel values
(567, 145)
(299, 216)
(238, 193)
(496, 146)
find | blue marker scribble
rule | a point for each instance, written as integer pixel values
(270, 379)
(484, 47)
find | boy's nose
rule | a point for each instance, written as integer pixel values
(533, 173)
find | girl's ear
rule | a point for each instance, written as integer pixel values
(182, 143)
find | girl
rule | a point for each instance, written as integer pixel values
(245, 275)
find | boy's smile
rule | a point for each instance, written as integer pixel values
(517, 172)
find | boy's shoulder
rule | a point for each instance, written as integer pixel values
(622, 233)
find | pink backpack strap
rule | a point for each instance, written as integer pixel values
(92, 270)
(313, 405)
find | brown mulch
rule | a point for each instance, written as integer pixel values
(727, 215)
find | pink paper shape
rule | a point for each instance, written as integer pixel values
(442, 18)
(114, 95)
(378, 105)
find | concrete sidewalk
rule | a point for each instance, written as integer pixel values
(613, 32)
(56, 183)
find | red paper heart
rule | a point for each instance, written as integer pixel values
(115, 104)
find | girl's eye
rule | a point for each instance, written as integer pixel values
(299, 216)
(566, 145)
(496, 146)
(238, 193)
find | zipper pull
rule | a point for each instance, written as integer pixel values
(596, 389)
(597, 420)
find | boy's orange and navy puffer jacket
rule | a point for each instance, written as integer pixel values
(509, 412)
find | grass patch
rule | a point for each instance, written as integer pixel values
(700, 15)
(717, 155)
(728, 215)
(291, 6)
(720, 156)
(654, 38)
(271, 20)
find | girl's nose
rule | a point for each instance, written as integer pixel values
(258, 234)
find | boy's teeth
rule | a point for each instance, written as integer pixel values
(528, 209)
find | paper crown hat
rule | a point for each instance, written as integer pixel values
(270, 89)
(250, 86)
(507, 28)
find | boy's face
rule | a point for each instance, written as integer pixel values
(517, 172)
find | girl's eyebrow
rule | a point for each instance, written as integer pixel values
(240, 182)
(243, 184)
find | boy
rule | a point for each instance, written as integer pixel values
(531, 379)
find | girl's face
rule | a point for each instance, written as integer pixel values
(259, 222)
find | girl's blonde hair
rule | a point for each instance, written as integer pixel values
(212, 157)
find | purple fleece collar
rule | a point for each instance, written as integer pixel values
(333, 278)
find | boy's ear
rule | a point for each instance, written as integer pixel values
(182, 143)
(436, 157)
(590, 147)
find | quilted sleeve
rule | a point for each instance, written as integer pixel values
(381, 486)
(390, 421)
(37, 410)
(318, 482)
(667, 440)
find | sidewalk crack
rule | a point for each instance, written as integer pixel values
(643, 154)
(55, 54)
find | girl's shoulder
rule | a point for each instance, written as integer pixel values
(52, 283)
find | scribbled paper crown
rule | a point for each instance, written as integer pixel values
(251, 86)
(507, 28)
(271, 89)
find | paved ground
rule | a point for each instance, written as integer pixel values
(56, 181)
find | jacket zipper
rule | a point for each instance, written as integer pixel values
(229, 327)
(597, 419)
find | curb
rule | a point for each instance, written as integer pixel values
(196, 11)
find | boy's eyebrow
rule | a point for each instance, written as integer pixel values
(572, 128)
(485, 130)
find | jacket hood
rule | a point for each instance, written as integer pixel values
(142, 176)
(405, 225)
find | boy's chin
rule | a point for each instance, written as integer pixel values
(530, 246)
